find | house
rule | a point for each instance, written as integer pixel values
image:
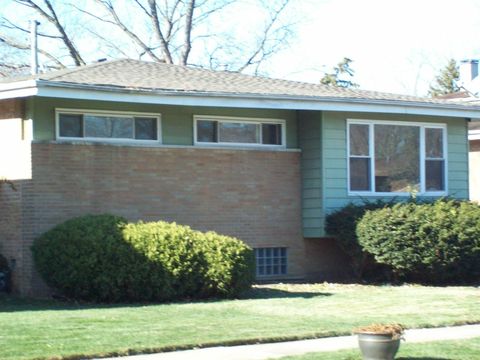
(257, 158)
(469, 83)
(474, 159)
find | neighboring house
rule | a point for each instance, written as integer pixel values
(474, 159)
(469, 80)
(261, 159)
(469, 93)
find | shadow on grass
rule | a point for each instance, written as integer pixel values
(10, 303)
(423, 358)
(268, 293)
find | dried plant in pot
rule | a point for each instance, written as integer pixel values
(379, 341)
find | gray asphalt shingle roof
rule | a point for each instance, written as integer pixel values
(149, 76)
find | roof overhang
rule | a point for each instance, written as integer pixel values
(44, 88)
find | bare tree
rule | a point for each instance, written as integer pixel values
(45, 10)
(184, 32)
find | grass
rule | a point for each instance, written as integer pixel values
(47, 329)
(444, 350)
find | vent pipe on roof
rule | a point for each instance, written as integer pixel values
(34, 47)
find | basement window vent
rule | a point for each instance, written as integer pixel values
(271, 261)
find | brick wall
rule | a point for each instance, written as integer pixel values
(253, 195)
(15, 166)
(12, 108)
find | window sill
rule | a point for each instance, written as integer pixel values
(399, 194)
(241, 146)
(156, 144)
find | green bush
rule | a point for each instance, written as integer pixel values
(103, 258)
(435, 243)
(342, 225)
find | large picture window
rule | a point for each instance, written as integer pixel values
(107, 126)
(212, 130)
(396, 158)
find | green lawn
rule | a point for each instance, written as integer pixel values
(43, 329)
(444, 350)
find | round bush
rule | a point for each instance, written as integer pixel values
(434, 243)
(342, 224)
(104, 258)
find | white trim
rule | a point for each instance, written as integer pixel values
(162, 146)
(474, 135)
(234, 119)
(422, 126)
(126, 114)
(18, 85)
(47, 88)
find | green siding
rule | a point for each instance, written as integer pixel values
(322, 138)
(320, 135)
(177, 121)
(310, 140)
(335, 156)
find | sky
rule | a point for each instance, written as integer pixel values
(396, 46)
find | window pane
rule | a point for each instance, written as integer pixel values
(272, 134)
(359, 140)
(273, 262)
(434, 143)
(435, 175)
(108, 127)
(146, 128)
(397, 158)
(238, 132)
(206, 131)
(360, 174)
(70, 125)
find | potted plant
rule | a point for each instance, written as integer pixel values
(379, 341)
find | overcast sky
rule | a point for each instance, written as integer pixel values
(397, 45)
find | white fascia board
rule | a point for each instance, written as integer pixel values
(101, 93)
(18, 89)
(474, 135)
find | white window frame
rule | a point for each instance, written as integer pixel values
(125, 114)
(422, 126)
(231, 119)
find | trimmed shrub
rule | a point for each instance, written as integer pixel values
(103, 258)
(342, 225)
(434, 243)
(202, 264)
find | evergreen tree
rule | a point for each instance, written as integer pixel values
(446, 81)
(341, 76)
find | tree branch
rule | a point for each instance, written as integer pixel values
(16, 27)
(53, 19)
(107, 5)
(265, 37)
(187, 31)
(21, 46)
(158, 32)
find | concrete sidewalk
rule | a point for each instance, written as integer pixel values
(277, 350)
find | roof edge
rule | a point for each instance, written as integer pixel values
(17, 89)
(47, 88)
